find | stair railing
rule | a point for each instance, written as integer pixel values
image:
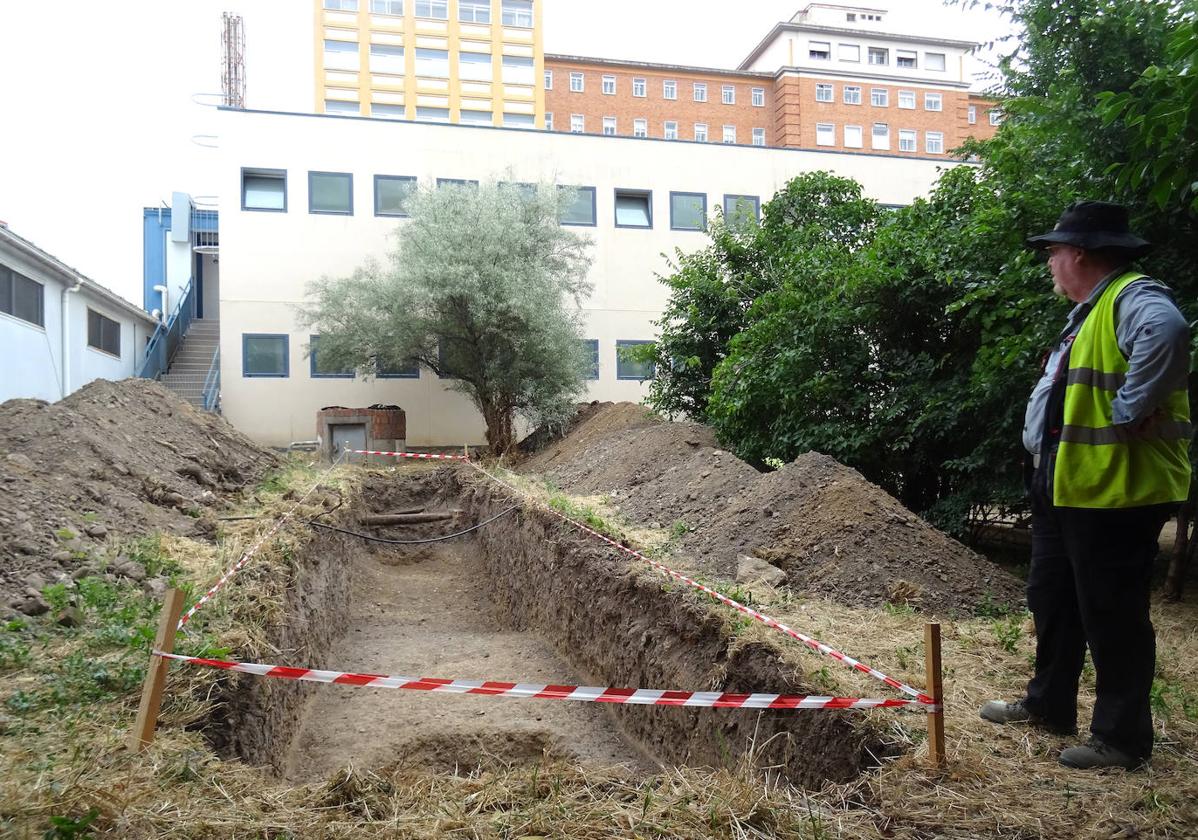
(165, 341)
(211, 393)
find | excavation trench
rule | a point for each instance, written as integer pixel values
(523, 599)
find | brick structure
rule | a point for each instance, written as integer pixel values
(386, 429)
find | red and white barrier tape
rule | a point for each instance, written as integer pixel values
(252, 550)
(594, 694)
(919, 696)
(409, 455)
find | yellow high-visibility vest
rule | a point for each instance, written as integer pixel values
(1094, 468)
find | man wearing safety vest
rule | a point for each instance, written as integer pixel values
(1108, 432)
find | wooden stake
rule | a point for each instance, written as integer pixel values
(935, 690)
(151, 691)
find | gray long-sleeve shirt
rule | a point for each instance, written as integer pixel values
(1151, 333)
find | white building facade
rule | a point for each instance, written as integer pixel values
(58, 329)
(279, 232)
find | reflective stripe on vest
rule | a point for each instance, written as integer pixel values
(1097, 465)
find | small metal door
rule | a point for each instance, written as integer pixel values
(349, 436)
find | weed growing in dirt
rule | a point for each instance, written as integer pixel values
(14, 650)
(72, 828)
(1008, 632)
(774, 463)
(65, 534)
(989, 608)
(679, 529)
(1169, 697)
(583, 514)
(898, 609)
(149, 552)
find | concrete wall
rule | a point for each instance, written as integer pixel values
(267, 258)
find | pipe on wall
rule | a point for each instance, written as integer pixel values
(64, 327)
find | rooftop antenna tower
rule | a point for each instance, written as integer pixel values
(232, 71)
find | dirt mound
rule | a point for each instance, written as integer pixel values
(829, 529)
(113, 460)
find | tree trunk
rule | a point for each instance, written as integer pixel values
(1182, 552)
(500, 422)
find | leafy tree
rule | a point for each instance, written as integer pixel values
(478, 290)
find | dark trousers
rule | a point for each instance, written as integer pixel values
(1089, 586)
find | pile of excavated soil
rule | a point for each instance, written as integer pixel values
(111, 461)
(830, 530)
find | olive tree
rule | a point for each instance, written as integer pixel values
(483, 287)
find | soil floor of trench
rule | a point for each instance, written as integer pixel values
(426, 613)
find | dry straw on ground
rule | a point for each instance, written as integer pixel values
(1000, 782)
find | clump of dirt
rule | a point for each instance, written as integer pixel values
(112, 460)
(833, 532)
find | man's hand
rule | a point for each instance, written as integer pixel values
(1141, 429)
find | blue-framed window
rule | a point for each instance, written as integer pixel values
(590, 346)
(331, 193)
(688, 211)
(525, 190)
(456, 182)
(319, 370)
(739, 209)
(391, 194)
(634, 208)
(407, 370)
(581, 210)
(264, 189)
(265, 355)
(629, 368)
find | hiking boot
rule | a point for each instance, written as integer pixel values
(1000, 711)
(1096, 755)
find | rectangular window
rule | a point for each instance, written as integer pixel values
(728, 95)
(973, 114)
(609, 126)
(934, 142)
(819, 50)
(475, 67)
(699, 90)
(906, 99)
(669, 89)
(579, 206)
(933, 102)
(688, 211)
(474, 11)
(995, 116)
(407, 369)
(729, 134)
(590, 349)
(609, 85)
(318, 369)
(700, 132)
(435, 9)
(518, 70)
(457, 182)
(908, 141)
(879, 97)
(638, 87)
(265, 355)
(548, 80)
(576, 83)
(391, 194)
(634, 208)
(469, 116)
(388, 112)
(640, 128)
(848, 52)
(854, 137)
(331, 192)
(432, 63)
(341, 55)
(264, 189)
(824, 93)
(758, 97)
(103, 333)
(385, 7)
(517, 13)
(879, 56)
(386, 59)
(881, 136)
(905, 58)
(21, 297)
(933, 61)
(852, 95)
(671, 130)
(337, 106)
(629, 368)
(549, 121)
(825, 134)
(517, 120)
(578, 123)
(440, 115)
(759, 137)
(341, 5)
(740, 210)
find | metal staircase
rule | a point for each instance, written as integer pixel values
(190, 369)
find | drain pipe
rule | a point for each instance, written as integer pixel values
(64, 327)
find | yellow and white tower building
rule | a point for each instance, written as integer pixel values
(476, 62)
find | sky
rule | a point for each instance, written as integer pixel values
(108, 105)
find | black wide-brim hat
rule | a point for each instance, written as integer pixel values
(1092, 225)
